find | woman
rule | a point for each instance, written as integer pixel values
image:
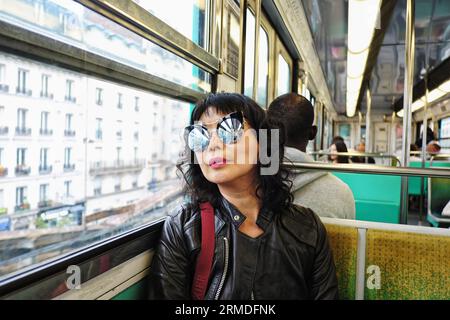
(338, 146)
(265, 247)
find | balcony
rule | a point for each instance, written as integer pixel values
(4, 131)
(3, 211)
(22, 207)
(22, 170)
(45, 203)
(69, 167)
(3, 171)
(45, 169)
(46, 95)
(70, 99)
(114, 167)
(45, 132)
(69, 133)
(24, 91)
(4, 88)
(22, 131)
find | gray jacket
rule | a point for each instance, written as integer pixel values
(320, 191)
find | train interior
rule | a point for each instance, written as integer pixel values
(94, 96)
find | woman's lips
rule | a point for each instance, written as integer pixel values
(217, 162)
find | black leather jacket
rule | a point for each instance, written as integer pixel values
(290, 260)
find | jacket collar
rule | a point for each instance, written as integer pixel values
(234, 216)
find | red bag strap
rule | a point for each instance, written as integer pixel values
(205, 257)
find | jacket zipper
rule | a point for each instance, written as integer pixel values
(222, 280)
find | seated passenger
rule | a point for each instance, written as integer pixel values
(337, 147)
(324, 193)
(361, 159)
(433, 148)
(265, 247)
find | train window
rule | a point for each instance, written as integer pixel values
(284, 76)
(193, 23)
(263, 67)
(81, 27)
(249, 53)
(81, 183)
(232, 41)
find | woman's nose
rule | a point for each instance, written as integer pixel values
(214, 143)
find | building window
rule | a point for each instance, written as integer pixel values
(99, 96)
(119, 130)
(98, 156)
(68, 165)
(43, 193)
(43, 159)
(44, 86)
(118, 155)
(44, 124)
(3, 86)
(136, 104)
(135, 183)
(136, 151)
(67, 188)
(2, 202)
(117, 184)
(22, 82)
(119, 101)
(68, 129)
(98, 131)
(21, 118)
(21, 156)
(69, 91)
(2, 73)
(136, 133)
(1, 156)
(21, 199)
(97, 187)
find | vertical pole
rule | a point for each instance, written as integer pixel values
(256, 53)
(424, 145)
(368, 121)
(242, 23)
(407, 101)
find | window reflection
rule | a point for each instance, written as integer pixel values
(263, 67)
(284, 76)
(81, 27)
(192, 23)
(63, 165)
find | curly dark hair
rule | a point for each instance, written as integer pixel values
(272, 190)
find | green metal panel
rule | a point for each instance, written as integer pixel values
(414, 182)
(377, 197)
(137, 291)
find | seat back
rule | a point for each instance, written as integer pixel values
(390, 261)
(413, 266)
(377, 197)
(343, 243)
(414, 183)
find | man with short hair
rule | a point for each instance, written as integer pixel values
(320, 191)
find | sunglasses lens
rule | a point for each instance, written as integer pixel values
(230, 130)
(198, 139)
